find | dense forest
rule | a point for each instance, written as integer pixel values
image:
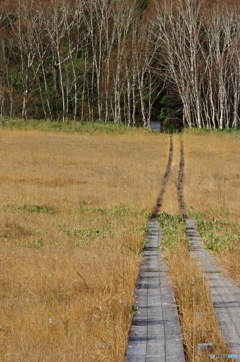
(129, 61)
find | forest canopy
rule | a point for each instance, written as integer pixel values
(126, 61)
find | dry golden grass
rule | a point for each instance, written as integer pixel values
(72, 216)
(212, 184)
(213, 173)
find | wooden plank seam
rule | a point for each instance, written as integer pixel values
(155, 333)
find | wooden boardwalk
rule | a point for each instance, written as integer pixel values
(155, 333)
(225, 295)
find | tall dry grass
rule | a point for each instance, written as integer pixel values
(212, 185)
(72, 216)
(213, 172)
(198, 320)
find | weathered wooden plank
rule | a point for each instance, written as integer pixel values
(137, 346)
(155, 333)
(225, 295)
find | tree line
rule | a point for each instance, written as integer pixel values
(129, 61)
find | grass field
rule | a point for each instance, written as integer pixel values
(73, 212)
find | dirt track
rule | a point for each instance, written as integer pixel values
(158, 207)
(181, 200)
(180, 189)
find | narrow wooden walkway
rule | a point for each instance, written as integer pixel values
(225, 295)
(155, 333)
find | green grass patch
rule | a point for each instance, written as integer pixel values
(173, 231)
(36, 208)
(235, 133)
(218, 234)
(118, 210)
(87, 235)
(73, 127)
(84, 225)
